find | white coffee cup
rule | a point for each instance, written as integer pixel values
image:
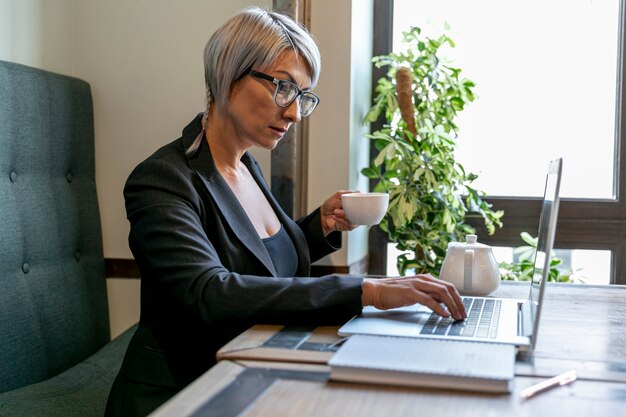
(365, 208)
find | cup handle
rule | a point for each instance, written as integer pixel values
(468, 268)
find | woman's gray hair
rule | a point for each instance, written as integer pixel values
(253, 38)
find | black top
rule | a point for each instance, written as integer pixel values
(283, 253)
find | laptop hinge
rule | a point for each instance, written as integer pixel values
(524, 319)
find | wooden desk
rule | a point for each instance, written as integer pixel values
(276, 389)
(582, 328)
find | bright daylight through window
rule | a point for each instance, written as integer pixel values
(546, 75)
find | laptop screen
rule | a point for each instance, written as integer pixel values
(545, 238)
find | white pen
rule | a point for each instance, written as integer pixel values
(557, 381)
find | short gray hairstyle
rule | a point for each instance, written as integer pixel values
(252, 38)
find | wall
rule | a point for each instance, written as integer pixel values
(37, 33)
(143, 59)
(337, 148)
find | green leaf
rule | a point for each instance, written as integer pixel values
(418, 173)
(370, 173)
(526, 237)
(382, 155)
(447, 221)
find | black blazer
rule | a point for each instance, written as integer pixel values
(206, 275)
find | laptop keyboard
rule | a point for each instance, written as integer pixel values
(483, 316)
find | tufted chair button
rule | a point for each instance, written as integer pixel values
(69, 177)
(26, 267)
(77, 256)
(13, 176)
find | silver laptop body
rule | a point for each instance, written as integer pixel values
(498, 320)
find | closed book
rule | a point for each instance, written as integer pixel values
(432, 363)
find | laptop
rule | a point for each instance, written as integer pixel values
(496, 320)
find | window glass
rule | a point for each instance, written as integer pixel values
(546, 76)
(583, 266)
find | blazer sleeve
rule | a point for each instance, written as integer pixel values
(319, 245)
(173, 235)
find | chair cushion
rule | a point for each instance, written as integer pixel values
(81, 391)
(53, 297)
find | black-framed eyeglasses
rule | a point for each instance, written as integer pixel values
(286, 92)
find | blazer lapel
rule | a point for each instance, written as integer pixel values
(202, 162)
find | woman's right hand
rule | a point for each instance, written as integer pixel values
(333, 216)
(386, 293)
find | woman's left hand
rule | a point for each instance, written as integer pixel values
(333, 216)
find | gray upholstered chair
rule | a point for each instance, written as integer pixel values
(55, 355)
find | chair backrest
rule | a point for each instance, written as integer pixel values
(53, 298)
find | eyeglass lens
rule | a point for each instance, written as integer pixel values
(286, 92)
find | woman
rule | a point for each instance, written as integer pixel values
(216, 252)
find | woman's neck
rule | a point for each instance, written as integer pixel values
(226, 147)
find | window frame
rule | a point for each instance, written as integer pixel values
(583, 223)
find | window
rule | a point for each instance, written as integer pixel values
(549, 82)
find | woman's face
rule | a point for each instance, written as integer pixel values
(256, 118)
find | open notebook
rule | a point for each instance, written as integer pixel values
(494, 320)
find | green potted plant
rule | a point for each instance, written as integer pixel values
(430, 192)
(522, 268)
